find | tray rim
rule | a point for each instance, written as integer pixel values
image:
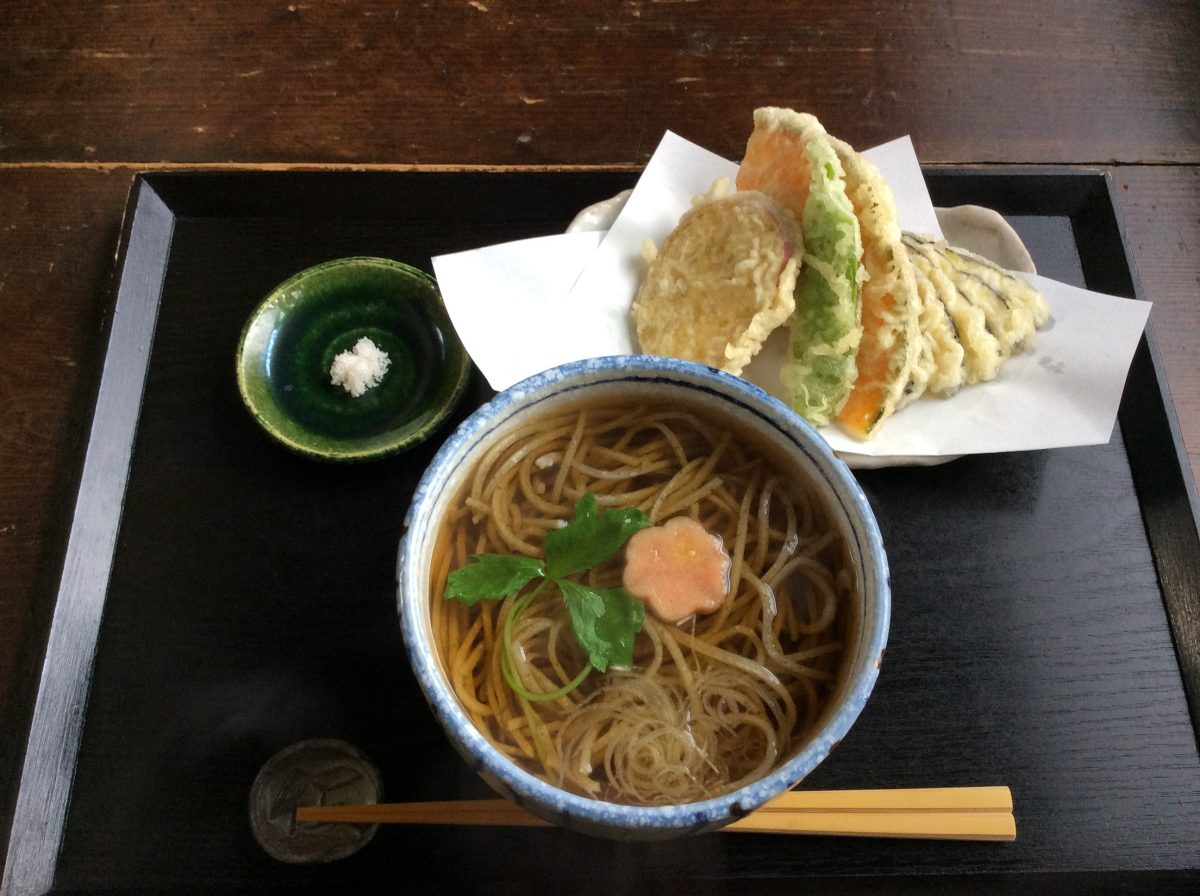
(47, 777)
(37, 822)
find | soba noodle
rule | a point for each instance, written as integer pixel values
(709, 705)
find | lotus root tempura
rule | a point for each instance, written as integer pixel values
(710, 704)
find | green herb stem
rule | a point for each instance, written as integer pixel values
(506, 663)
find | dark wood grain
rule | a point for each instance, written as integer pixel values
(492, 81)
(1161, 212)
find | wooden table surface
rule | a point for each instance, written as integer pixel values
(92, 93)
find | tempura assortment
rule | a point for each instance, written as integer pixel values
(877, 317)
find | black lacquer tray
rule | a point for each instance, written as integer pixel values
(221, 599)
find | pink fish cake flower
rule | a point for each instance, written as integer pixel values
(677, 569)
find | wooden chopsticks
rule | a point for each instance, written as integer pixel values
(943, 813)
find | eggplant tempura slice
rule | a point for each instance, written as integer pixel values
(982, 353)
(1014, 291)
(1012, 309)
(949, 357)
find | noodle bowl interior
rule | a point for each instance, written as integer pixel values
(709, 705)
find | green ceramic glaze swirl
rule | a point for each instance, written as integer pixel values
(288, 347)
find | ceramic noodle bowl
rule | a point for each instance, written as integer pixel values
(751, 417)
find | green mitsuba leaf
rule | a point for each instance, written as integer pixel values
(589, 539)
(491, 577)
(604, 622)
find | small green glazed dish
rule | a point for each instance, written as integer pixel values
(289, 344)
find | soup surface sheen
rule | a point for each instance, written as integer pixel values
(710, 704)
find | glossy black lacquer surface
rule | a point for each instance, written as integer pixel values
(251, 605)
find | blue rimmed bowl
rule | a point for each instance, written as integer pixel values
(748, 411)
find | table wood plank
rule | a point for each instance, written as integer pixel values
(1161, 211)
(499, 82)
